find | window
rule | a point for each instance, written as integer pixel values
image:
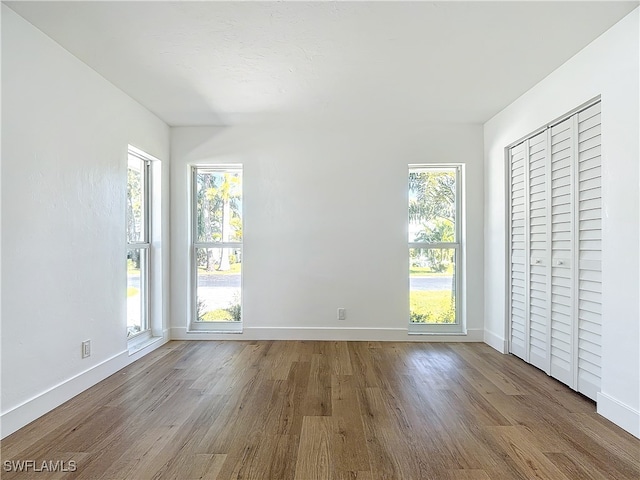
(216, 248)
(434, 249)
(138, 243)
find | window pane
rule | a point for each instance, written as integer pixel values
(218, 206)
(432, 205)
(218, 295)
(136, 199)
(137, 270)
(432, 283)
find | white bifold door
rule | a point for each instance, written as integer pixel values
(555, 250)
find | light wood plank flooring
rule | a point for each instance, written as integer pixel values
(328, 410)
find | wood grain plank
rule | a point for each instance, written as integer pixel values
(349, 443)
(530, 460)
(317, 400)
(315, 456)
(468, 475)
(573, 467)
(499, 378)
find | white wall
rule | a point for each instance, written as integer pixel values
(325, 204)
(607, 67)
(65, 132)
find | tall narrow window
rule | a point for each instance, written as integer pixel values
(217, 247)
(434, 249)
(138, 243)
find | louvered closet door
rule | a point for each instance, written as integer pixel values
(562, 279)
(529, 251)
(556, 245)
(519, 252)
(589, 242)
(538, 248)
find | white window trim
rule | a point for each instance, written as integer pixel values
(154, 322)
(144, 244)
(458, 328)
(193, 325)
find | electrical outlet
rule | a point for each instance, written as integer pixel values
(86, 348)
(342, 313)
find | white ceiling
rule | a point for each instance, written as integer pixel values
(206, 63)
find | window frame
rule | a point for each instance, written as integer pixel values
(194, 324)
(457, 246)
(144, 244)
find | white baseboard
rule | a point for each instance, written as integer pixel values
(318, 333)
(496, 341)
(23, 414)
(622, 415)
(35, 407)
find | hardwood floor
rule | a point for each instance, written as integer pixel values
(327, 410)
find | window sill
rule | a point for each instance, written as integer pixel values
(436, 329)
(141, 342)
(215, 327)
